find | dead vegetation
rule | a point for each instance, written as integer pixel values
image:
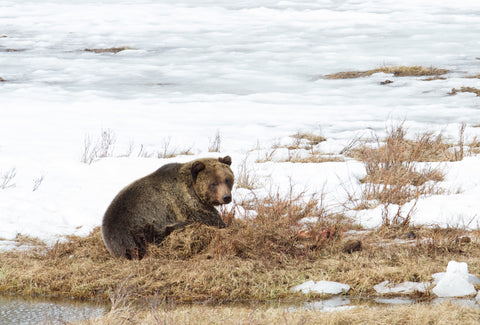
(195, 263)
(2, 80)
(215, 143)
(255, 259)
(472, 90)
(476, 76)
(304, 148)
(6, 179)
(113, 50)
(397, 71)
(245, 177)
(104, 147)
(395, 174)
(164, 313)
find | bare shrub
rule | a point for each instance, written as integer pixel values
(275, 234)
(6, 179)
(215, 143)
(245, 177)
(167, 152)
(37, 182)
(393, 173)
(102, 148)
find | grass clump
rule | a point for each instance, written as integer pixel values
(113, 50)
(397, 71)
(393, 172)
(303, 149)
(472, 90)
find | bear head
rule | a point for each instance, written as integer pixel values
(213, 180)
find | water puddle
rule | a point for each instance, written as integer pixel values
(20, 311)
(339, 303)
(38, 311)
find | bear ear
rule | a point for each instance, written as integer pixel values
(227, 160)
(197, 167)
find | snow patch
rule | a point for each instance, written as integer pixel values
(456, 282)
(402, 288)
(322, 287)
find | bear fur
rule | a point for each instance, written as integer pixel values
(175, 195)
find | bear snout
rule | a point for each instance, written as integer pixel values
(227, 198)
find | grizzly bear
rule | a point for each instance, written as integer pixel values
(175, 195)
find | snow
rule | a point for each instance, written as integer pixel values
(252, 71)
(402, 288)
(321, 287)
(456, 282)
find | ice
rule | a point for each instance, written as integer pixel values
(456, 282)
(402, 288)
(322, 287)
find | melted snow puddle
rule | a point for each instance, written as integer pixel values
(38, 311)
(339, 303)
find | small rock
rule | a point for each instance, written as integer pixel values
(352, 245)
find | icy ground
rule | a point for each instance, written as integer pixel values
(251, 71)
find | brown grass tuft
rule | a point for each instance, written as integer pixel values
(394, 175)
(114, 50)
(397, 71)
(473, 90)
(477, 76)
(303, 149)
(311, 138)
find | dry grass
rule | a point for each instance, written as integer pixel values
(6, 179)
(397, 71)
(444, 313)
(477, 76)
(245, 177)
(114, 50)
(311, 138)
(195, 263)
(393, 172)
(303, 149)
(2, 80)
(472, 90)
(255, 259)
(215, 143)
(434, 78)
(105, 144)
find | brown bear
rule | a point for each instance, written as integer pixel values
(172, 197)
